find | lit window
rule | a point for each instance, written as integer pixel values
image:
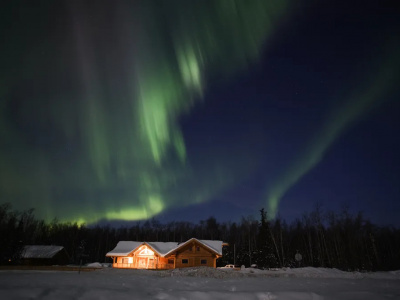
(185, 261)
(146, 252)
(127, 260)
(204, 261)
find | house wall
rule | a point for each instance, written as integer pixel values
(37, 261)
(143, 258)
(192, 255)
(196, 255)
(133, 262)
(164, 263)
(123, 262)
(61, 258)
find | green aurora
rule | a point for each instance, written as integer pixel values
(369, 94)
(122, 145)
(94, 98)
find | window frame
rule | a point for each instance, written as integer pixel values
(125, 260)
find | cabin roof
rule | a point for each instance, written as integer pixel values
(40, 251)
(163, 248)
(215, 246)
(123, 248)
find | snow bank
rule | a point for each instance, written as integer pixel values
(202, 272)
(98, 265)
(94, 265)
(308, 272)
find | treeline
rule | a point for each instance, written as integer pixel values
(334, 240)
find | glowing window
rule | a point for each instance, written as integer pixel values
(127, 260)
(146, 251)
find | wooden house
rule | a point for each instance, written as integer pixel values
(159, 255)
(44, 255)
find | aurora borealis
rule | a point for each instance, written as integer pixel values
(125, 110)
(356, 106)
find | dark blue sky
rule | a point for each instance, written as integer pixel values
(182, 110)
(320, 56)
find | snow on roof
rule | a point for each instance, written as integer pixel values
(214, 245)
(123, 248)
(163, 248)
(40, 251)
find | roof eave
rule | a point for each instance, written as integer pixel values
(187, 242)
(154, 250)
(134, 249)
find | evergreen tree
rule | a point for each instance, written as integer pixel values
(265, 256)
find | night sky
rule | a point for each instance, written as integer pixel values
(181, 110)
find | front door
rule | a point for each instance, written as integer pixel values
(151, 263)
(142, 263)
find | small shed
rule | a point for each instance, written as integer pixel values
(44, 255)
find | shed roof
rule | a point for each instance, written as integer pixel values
(40, 251)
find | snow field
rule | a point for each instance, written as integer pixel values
(199, 284)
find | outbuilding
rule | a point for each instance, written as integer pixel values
(44, 255)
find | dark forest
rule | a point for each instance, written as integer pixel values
(324, 239)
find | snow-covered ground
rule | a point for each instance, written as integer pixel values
(200, 283)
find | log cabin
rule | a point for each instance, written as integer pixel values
(160, 255)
